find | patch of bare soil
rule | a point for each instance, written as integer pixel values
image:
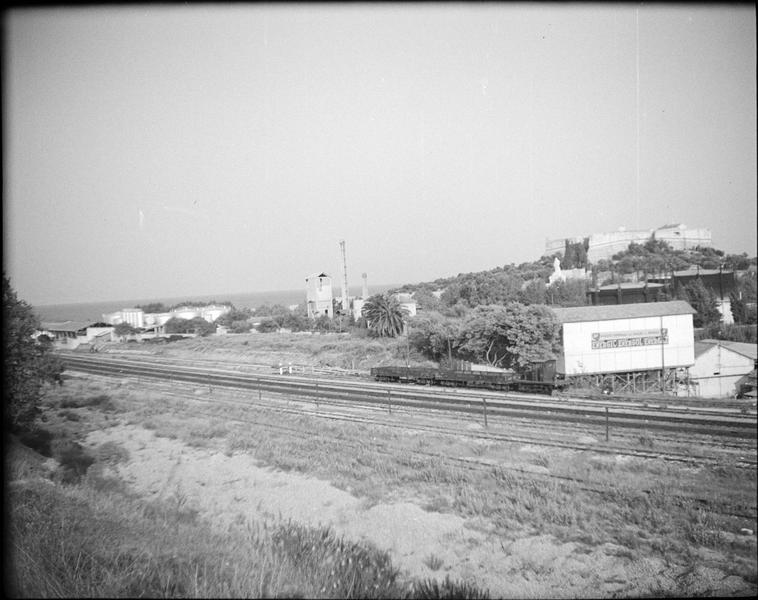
(232, 490)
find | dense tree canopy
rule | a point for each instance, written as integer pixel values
(237, 320)
(123, 329)
(434, 335)
(703, 300)
(198, 326)
(154, 307)
(524, 283)
(28, 364)
(512, 336)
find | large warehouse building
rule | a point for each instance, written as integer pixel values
(628, 347)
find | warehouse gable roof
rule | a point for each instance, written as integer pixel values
(745, 349)
(580, 314)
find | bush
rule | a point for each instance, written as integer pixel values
(73, 459)
(431, 588)
(37, 439)
(112, 453)
(268, 326)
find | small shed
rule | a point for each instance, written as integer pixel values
(720, 367)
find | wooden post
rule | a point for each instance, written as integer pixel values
(484, 404)
(606, 423)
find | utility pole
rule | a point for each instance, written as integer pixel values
(345, 307)
(663, 363)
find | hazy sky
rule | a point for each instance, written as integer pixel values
(156, 151)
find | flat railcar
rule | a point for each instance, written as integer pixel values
(539, 380)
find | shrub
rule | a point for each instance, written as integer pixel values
(73, 459)
(431, 588)
(69, 415)
(37, 439)
(111, 452)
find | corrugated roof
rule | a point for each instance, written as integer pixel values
(749, 350)
(695, 272)
(627, 285)
(67, 325)
(579, 314)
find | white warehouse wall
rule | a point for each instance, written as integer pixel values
(631, 352)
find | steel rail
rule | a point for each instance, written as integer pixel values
(680, 406)
(741, 427)
(737, 461)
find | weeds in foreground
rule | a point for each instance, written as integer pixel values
(431, 588)
(61, 545)
(100, 401)
(434, 562)
(72, 458)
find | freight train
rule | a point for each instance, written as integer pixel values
(540, 379)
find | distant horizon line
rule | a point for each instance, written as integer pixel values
(191, 297)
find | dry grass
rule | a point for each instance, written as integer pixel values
(93, 538)
(340, 351)
(375, 463)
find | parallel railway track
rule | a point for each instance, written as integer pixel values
(514, 406)
(280, 403)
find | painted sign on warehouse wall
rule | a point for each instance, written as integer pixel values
(630, 339)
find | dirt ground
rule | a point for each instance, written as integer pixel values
(232, 490)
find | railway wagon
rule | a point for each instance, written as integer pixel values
(540, 379)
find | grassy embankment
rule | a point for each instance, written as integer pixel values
(59, 530)
(75, 530)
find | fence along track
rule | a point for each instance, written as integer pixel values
(483, 465)
(686, 408)
(248, 402)
(738, 427)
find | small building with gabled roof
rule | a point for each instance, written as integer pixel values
(71, 334)
(721, 366)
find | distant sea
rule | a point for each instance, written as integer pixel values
(94, 311)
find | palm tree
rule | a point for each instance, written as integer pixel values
(384, 315)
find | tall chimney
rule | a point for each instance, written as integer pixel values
(364, 291)
(345, 307)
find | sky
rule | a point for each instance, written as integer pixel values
(160, 151)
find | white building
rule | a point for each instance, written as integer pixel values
(72, 334)
(605, 245)
(318, 295)
(564, 274)
(626, 338)
(719, 366)
(133, 316)
(358, 307)
(407, 303)
(139, 319)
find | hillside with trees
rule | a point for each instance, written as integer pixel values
(498, 316)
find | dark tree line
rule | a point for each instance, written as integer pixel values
(29, 363)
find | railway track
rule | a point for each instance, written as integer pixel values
(285, 405)
(466, 402)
